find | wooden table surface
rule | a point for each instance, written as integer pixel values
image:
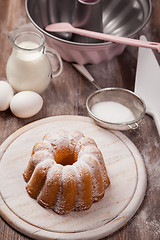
(67, 95)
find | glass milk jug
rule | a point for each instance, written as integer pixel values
(29, 67)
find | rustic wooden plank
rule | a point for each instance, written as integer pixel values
(118, 72)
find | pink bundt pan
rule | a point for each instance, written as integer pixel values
(120, 17)
(85, 54)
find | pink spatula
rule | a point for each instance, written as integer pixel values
(147, 83)
(67, 27)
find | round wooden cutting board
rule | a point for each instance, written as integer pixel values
(122, 199)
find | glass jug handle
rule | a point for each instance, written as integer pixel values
(56, 62)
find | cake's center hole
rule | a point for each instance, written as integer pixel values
(65, 157)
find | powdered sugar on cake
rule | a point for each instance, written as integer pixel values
(71, 172)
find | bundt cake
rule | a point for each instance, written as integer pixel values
(66, 172)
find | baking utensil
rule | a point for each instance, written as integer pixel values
(122, 199)
(119, 95)
(67, 27)
(147, 83)
(119, 17)
(86, 74)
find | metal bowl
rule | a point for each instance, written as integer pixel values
(119, 95)
(119, 17)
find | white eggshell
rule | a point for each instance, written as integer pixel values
(26, 104)
(6, 94)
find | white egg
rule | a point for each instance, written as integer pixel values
(26, 104)
(6, 94)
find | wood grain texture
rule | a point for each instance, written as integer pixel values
(123, 197)
(67, 95)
